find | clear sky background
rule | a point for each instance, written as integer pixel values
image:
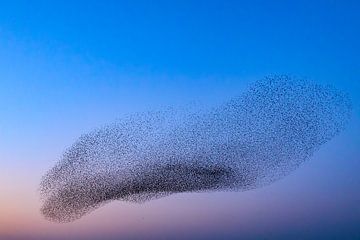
(67, 67)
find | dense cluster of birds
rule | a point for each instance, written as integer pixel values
(247, 142)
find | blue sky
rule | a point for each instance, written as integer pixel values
(67, 67)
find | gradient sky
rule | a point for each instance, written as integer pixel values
(67, 67)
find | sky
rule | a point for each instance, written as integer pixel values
(67, 67)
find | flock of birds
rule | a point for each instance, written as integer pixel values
(247, 142)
